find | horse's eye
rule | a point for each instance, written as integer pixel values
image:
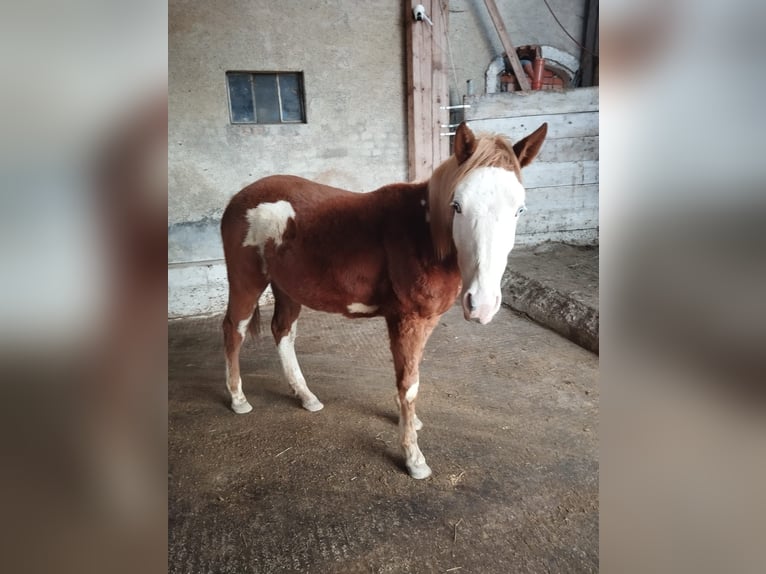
(521, 210)
(456, 207)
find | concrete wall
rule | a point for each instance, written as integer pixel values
(352, 57)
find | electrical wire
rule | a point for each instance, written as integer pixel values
(565, 30)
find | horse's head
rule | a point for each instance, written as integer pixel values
(477, 195)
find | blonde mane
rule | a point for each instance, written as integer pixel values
(490, 151)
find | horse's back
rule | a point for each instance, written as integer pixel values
(275, 199)
(296, 190)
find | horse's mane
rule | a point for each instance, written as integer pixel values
(490, 151)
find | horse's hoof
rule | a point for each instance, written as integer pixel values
(313, 405)
(241, 408)
(419, 471)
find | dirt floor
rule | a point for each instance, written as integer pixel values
(511, 418)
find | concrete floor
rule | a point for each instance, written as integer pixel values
(556, 285)
(511, 419)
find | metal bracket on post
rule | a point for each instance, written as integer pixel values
(458, 107)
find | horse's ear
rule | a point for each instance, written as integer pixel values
(465, 142)
(527, 149)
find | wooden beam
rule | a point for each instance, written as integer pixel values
(590, 41)
(441, 149)
(426, 88)
(505, 40)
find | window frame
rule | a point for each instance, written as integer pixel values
(251, 74)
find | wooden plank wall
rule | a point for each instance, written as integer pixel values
(427, 88)
(562, 183)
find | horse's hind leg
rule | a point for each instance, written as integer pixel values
(284, 327)
(242, 308)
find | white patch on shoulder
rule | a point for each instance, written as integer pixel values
(362, 308)
(267, 221)
(412, 392)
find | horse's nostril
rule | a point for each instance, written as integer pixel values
(469, 302)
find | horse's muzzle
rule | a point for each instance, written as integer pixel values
(479, 309)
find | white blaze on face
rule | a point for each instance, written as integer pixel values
(267, 221)
(484, 233)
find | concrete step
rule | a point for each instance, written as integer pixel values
(556, 285)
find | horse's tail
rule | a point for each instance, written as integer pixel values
(254, 327)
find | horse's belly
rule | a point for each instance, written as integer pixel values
(347, 289)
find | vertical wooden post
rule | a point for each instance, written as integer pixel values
(440, 59)
(426, 87)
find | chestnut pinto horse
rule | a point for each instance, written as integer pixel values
(400, 252)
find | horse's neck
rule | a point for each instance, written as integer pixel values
(409, 208)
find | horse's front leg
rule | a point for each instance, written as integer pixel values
(408, 338)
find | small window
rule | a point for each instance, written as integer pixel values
(266, 98)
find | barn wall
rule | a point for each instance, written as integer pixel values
(562, 183)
